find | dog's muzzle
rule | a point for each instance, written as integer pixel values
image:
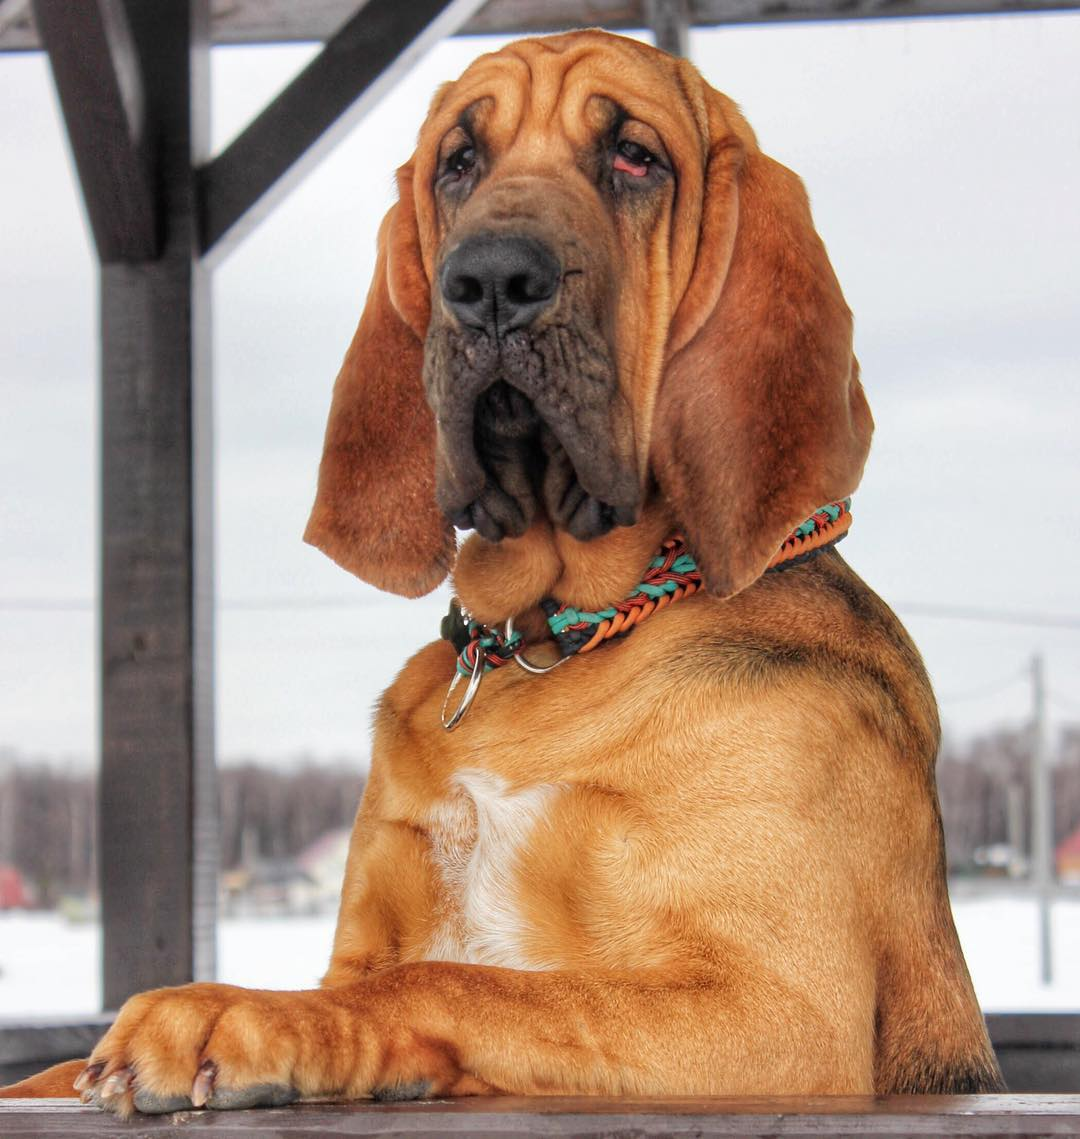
(523, 385)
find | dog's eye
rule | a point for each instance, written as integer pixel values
(632, 158)
(461, 161)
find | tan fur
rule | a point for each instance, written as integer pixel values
(705, 859)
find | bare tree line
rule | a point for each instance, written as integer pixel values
(284, 810)
(977, 780)
(48, 817)
(48, 814)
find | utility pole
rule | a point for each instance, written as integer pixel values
(7, 811)
(1014, 829)
(1042, 825)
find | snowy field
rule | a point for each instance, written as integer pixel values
(50, 967)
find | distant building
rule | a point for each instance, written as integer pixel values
(13, 892)
(310, 883)
(271, 887)
(324, 863)
(1068, 858)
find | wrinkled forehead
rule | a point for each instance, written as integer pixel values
(571, 86)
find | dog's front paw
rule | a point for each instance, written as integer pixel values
(206, 1045)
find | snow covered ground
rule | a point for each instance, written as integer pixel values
(50, 967)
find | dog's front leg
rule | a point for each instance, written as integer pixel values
(439, 1028)
(729, 1028)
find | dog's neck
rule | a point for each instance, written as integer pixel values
(495, 581)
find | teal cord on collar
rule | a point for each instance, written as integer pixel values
(671, 575)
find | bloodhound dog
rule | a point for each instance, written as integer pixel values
(703, 854)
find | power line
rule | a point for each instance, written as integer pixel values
(255, 604)
(45, 605)
(276, 604)
(989, 616)
(1046, 620)
(984, 690)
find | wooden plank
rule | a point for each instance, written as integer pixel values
(297, 21)
(49, 1039)
(100, 88)
(18, 32)
(27, 1047)
(531, 17)
(1035, 1030)
(588, 1117)
(1040, 1070)
(1038, 1052)
(158, 854)
(285, 21)
(359, 64)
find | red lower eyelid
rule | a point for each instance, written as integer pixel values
(629, 167)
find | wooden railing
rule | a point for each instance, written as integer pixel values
(591, 1118)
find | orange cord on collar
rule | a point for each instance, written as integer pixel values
(828, 524)
(671, 575)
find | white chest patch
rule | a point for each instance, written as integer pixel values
(477, 836)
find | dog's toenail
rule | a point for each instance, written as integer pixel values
(89, 1075)
(204, 1083)
(116, 1084)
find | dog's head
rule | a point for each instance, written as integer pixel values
(593, 286)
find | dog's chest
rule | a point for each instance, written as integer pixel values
(477, 838)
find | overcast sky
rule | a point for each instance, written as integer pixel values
(943, 161)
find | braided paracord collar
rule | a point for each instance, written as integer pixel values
(671, 575)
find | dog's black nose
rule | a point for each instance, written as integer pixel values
(497, 284)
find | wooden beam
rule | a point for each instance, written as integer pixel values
(582, 1116)
(288, 21)
(18, 32)
(361, 62)
(535, 17)
(158, 851)
(670, 24)
(30, 1045)
(100, 87)
(1038, 1052)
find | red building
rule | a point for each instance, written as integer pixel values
(13, 894)
(1068, 858)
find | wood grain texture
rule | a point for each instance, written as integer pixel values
(1038, 1052)
(284, 21)
(99, 83)
(590, 1117)
(29, 1045)
(158, 820)
(1035, 1030)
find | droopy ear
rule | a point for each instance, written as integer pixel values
(760, 418)
(375, 511)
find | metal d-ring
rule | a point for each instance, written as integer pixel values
(519, 657)
(470, 692)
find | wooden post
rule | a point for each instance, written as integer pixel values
(158, 794)
(142, 68)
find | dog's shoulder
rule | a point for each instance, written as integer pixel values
(819, 626)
